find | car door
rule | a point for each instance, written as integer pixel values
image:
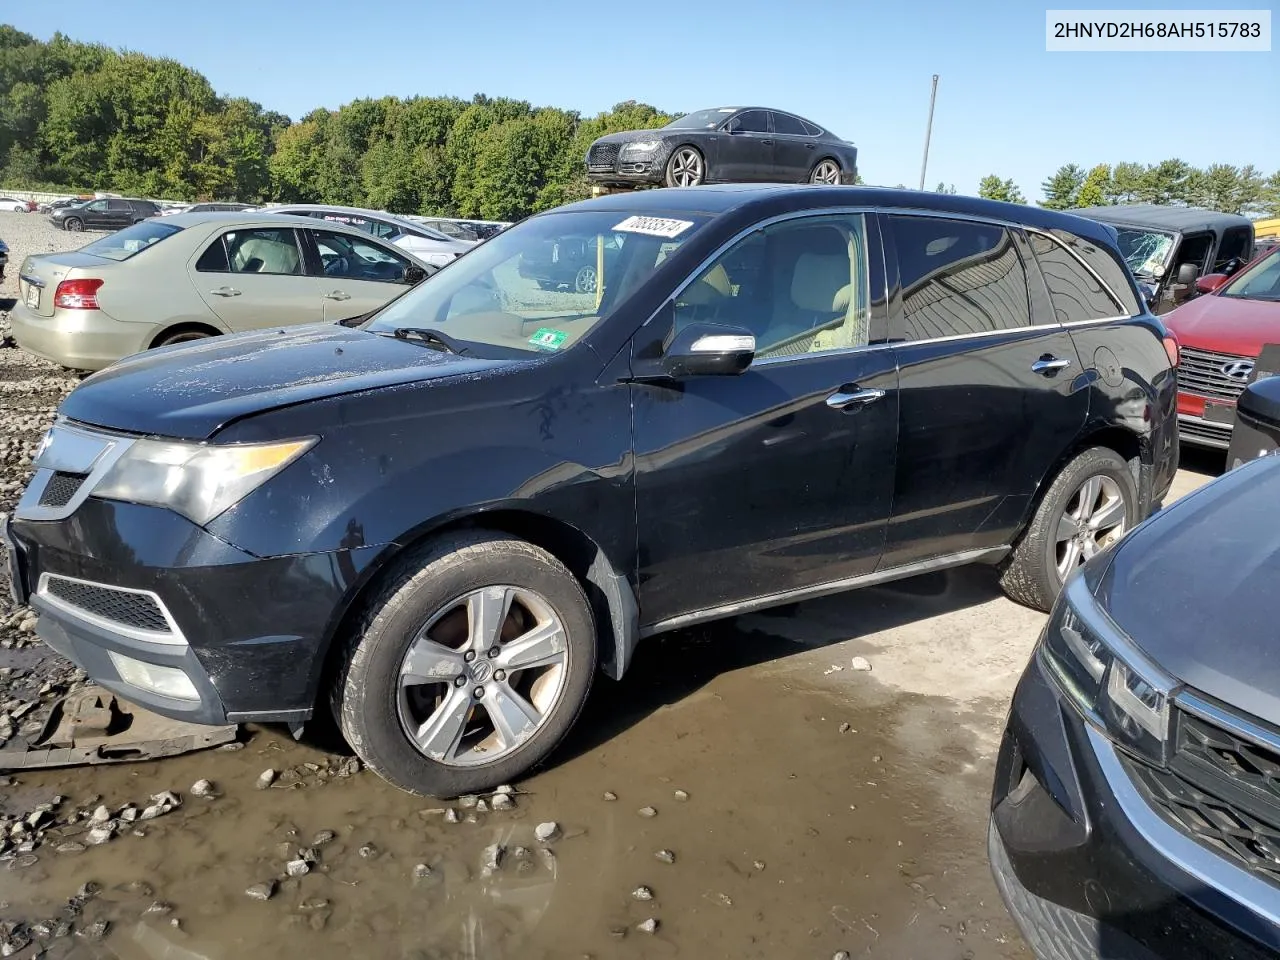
(254, 277)
(794, 151)
(119, 214)
(744, 149)
(776, 481)
(991, 392)
(359, 275)
(95, 215)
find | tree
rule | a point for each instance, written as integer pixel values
(1126, 183)
(1097, 187)
(1062, 189)
(944, 188)
(993, 188)
(1167, 182)
(1269, 199)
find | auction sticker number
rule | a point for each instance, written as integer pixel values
(548, 339)
(33, 296)
(654, 226)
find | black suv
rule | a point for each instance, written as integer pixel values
(105, 213)
(445, 521)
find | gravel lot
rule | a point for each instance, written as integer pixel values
(749, 788)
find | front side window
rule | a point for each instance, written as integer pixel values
(98, 206)
(356, 259)
(131, 240)
(1075, 293)
(543, 285)
(752, 121)
(1259, 282)
(958, 278)
(261, 250)
(800, 287)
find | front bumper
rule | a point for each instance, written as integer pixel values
(251, 633)
(1085, 863)
(639, 172)
(79, 339)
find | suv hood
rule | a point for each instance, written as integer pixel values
(1226, 324)
(1195, 588)
(190, 391)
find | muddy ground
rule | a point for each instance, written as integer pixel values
(800, 807)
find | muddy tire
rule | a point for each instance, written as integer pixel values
(468, 667)
(1089, 506)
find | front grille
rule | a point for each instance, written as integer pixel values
(602, 156)
(138, 611)
(1221, 790)
(1201, 372)
(1205, 432)
(61, 488)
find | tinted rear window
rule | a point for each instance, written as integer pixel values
(131, 241)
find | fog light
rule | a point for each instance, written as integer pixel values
(166, 681)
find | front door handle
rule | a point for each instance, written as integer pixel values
(337, 295)
(811, 146)
(1048, 365)
(225, 292)
(852, 398)
(767, 142)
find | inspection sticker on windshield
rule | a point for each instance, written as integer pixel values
(548, 339)
(654, 226)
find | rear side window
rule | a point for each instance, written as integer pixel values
(787, 124)
(810, 129)
(260, 250)
(1075, 292)
(214, 259)
(958, 278)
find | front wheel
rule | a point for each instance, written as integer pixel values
(686, 168)
(1090, 505)
(468, 667)
(828, 172)
(74, 225)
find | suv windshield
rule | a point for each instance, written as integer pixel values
(702, 119)
(131, 240)
(1145, 252)
(1261, 282)
(543, 285)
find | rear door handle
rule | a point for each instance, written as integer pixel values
(767, 142)
(225, 292)
(1048, 365)
(337, 295)
(849, 397)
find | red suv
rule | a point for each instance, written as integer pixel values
(1221, 336)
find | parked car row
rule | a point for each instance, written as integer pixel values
(10, 205)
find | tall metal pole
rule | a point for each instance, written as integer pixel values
(928, 130)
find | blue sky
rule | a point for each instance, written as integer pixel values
(1004, 105)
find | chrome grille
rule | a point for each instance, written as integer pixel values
(603, 156)
(135, 610)
(61, 488)
(1201, 372)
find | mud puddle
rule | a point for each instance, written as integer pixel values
(803, 817)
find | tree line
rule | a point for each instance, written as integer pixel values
(84, 116)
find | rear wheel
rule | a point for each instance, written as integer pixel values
(1090, 505)
(74, 224)
(182, 336)
(686, 168)
(469, 666)
(827, 171)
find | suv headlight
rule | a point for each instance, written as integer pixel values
(197, 480)
(1114, 684)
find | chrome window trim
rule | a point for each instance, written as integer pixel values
(1213, 871)
(1241, 726)
(173, 638)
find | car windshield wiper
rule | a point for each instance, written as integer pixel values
(431, 337)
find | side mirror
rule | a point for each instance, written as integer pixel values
(1187, 274)
(414, 274)
(1211, 282)
(709, 350)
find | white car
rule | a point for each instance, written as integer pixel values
(12, 205)
(426, 244)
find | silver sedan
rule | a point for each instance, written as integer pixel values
(189, 276)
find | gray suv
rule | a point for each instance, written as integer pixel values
(105, 213)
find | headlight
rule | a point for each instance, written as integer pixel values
(1113, 683)
(196, 480)
(642, 146)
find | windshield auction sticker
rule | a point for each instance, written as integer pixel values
(654, 226)
(547, 338)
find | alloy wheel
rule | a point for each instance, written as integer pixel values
(482, 676)
(1095, 518)
(585, 281)
(75, 226)
(686, 167)
(828, 172)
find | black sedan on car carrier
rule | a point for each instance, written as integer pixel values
(444, 522)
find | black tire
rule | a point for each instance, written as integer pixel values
(1030, 575)
(366, 689)
(182, 336)
(73, 224)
